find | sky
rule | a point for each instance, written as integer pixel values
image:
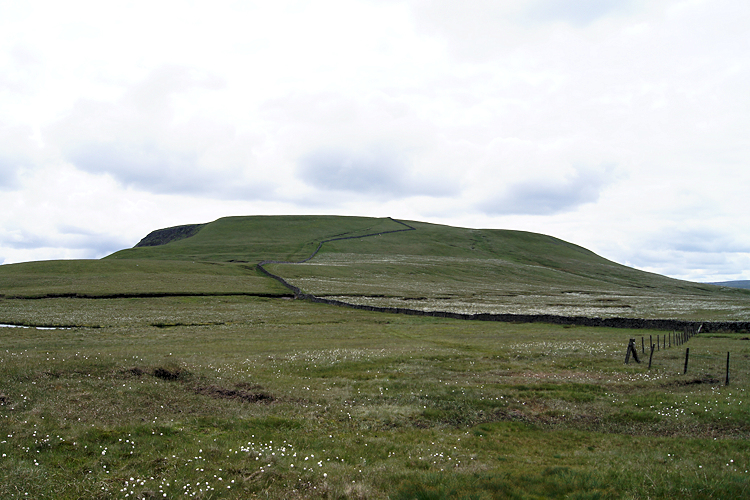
(622, 126)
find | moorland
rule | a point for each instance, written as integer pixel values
(180, 369)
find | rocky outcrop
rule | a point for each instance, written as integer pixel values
(169, 234)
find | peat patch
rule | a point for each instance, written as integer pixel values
(706, 379)
(170, 373)
(249, 393)
(238, 394)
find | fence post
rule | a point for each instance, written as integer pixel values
(631, 349)
(643, 348)
(658, 343)
(687, 354)
(651, 356)
(627, 353)
(726, 382)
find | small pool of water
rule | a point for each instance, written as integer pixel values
(3, 325)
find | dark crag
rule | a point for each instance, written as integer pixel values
(169, 234)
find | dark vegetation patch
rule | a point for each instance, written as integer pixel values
(169, 234)
(705, 379)
(249, 393)
(140, 295)
(135, 371)
(237, 394)
(552, 482)
(169, 325)
(172, 373)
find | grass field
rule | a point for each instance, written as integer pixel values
(274, 398)
(226, 388)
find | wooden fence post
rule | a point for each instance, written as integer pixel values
(631, 350)
(643, 346)
(627, 353)
(651, 356)
(687, 354)
(726, 381)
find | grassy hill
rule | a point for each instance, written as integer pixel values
(192, 374)
(433, 267)
(734, 284)
(257, 238)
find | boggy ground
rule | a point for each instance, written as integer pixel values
(245, 397)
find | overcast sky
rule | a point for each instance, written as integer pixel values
(622, 126)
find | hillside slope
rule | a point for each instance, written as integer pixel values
(433, 267)
(437, 267)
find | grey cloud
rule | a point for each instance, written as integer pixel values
(699, 240)
(8, 173)
(154, 168)
(144, 165)
(378, 171)
(691, 265)
(373, 172)
(24, 241)
(93, 244)
(18, 153)
(138, 143)
(575, 12)
(546, 197)
(689, 250)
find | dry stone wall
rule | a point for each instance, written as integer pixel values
(631, 323)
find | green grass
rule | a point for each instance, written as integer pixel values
(390, 406)
(257, 238)
(180, 371)
(432, 268)
(108, 278)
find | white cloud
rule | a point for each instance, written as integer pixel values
(576, 12)
(118, 119)
(141, 140)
